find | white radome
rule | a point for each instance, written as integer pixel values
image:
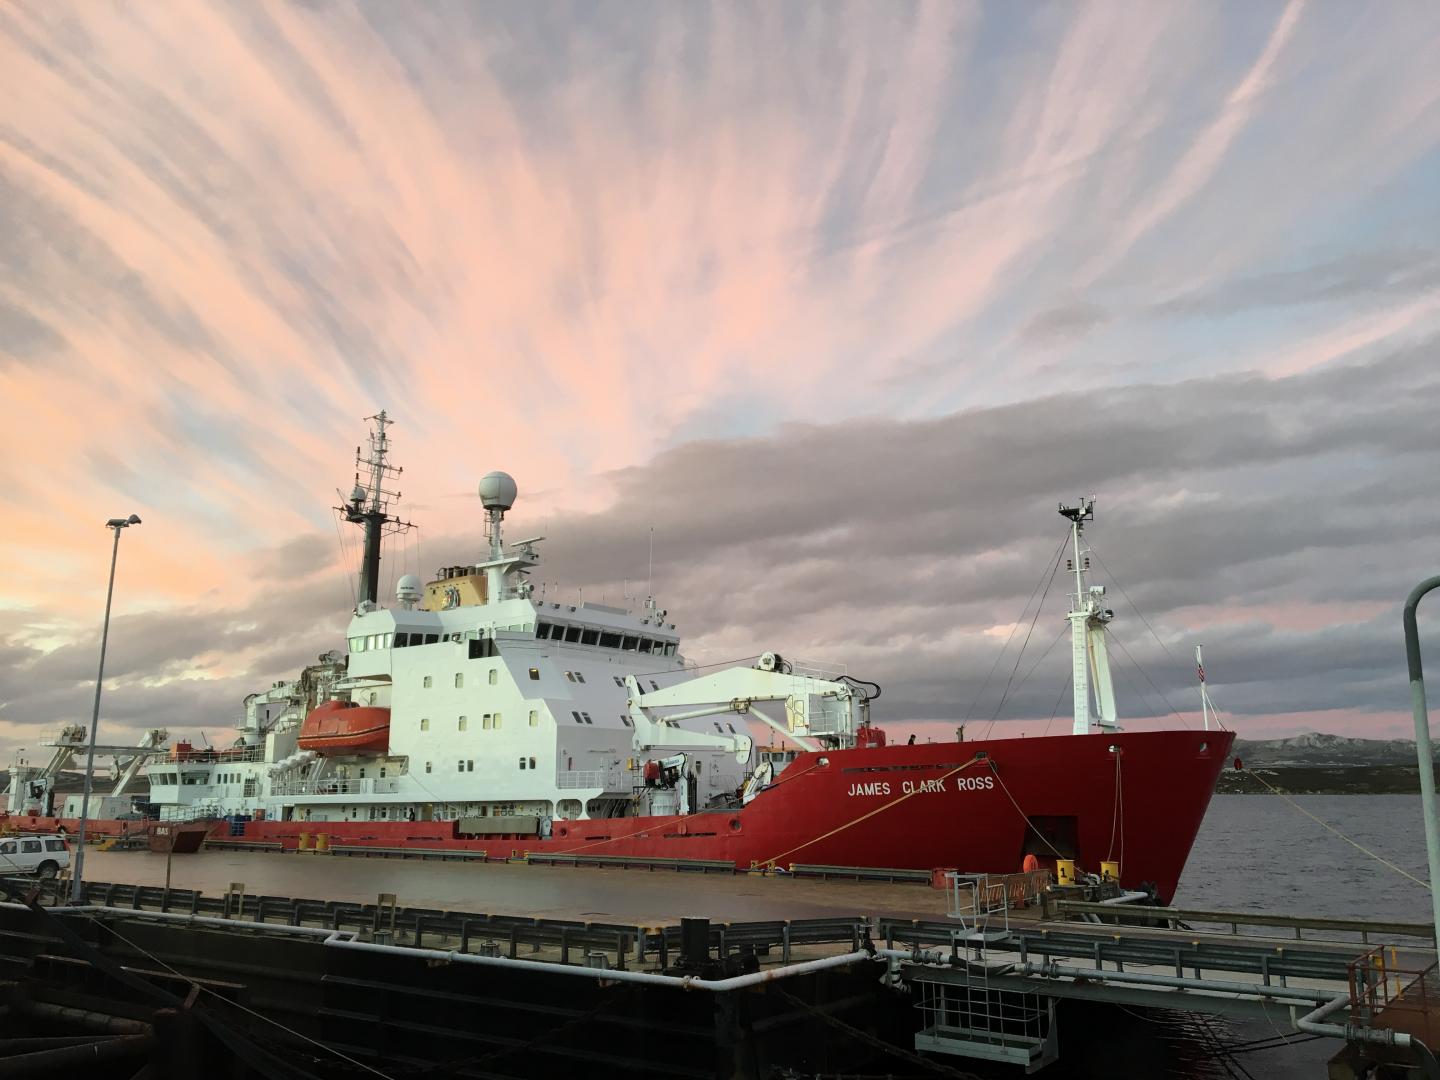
(408, 588)
(498, 491)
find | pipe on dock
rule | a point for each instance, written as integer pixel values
(68, 1059)
(1314, 1023)
(645, 978)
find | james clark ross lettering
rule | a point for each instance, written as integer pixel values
(911, 787)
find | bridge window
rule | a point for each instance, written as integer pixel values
(430, 639)
(542, 630)
(586, 715)
(402, 640)
(570, 675)
(618, 681)
(576, 714)
(572, 634)
(579, 676)
(645, 644)
(535, 674)
(357, 644)
(590, 637)
(609, 640)
(627, 643)
(626, 720)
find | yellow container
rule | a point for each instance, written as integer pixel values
(304, 844)
(322, 841)
(1110, 870)
(1065, 871)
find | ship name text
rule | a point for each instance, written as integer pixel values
(916, 787)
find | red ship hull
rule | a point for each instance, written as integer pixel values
(963, 805)
(917, 807)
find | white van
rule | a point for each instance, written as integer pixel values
(42, 855)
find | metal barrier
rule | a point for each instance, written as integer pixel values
(1364, 929)
(861, 873)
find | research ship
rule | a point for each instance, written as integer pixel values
(471, 715)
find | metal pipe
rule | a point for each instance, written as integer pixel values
(345, 940)
(1313, 1023)
(68, 1059)
(1422, 742)
(1049, 969)
(676, 982)
(1126, 898)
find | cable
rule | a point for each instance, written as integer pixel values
(1028, 822)
(1056, 710)
(1014, 626)
(1184, 720)
(1023, 645)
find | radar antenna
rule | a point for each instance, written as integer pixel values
(369, 507)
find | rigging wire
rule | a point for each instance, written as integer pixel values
(1023, 645)
(1178, 714)
(1061, 697)
(1014, 626)
(1026, 677)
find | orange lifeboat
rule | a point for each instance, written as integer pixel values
(343, 727)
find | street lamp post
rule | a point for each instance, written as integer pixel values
(77, 884)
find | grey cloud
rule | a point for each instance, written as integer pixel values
(894, 546)
(1063, 324)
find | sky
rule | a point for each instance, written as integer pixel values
(835, 301)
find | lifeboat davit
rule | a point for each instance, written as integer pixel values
(343, 727)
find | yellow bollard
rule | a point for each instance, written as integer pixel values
(1110, 870)
(304, 844)
(1065, 871)
(322, 841)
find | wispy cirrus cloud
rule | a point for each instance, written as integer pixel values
(566, 240)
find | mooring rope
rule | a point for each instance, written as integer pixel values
(773, 860)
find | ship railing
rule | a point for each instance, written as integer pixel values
(71, 735)
(575, 779)
(817, 669)
(365, 785)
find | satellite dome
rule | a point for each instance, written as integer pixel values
(408, 588)
(498, 491)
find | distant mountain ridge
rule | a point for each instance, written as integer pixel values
(1319, 763)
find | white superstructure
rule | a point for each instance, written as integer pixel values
(500, 705)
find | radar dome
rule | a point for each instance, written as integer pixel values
(408, 589)
(498, 491)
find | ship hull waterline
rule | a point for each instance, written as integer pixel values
(1137, 798)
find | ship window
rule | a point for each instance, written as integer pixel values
(424, 723)
(731, 727)
(534, 718)
(357, 644)
(469, 766)
(570, 675)
(609, 641)
(431, 639)
(485, 722)
(645, 644)
(626, 720)
(576, 714)
(532, 762)
(719, 728)
(362, 774)
(459, 766)
(463, 723)
(385, 640)
(579, 676)
(497, 719)
(542, 630)
(627, 643)
(586, 715)
(654, 685)
(618, 680)
(572, 634)
(427, 682)
(459, 680)
(522, 763)
(669, 648)
(427, 766)
(590, 637)
(494, 676)
(535, 673)
(402, 640)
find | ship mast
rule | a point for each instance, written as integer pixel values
(1089, 659)
(368, 507)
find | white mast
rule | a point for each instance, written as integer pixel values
(1204, 692)
(1089, 659)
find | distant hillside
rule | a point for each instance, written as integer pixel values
(1316, 763)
